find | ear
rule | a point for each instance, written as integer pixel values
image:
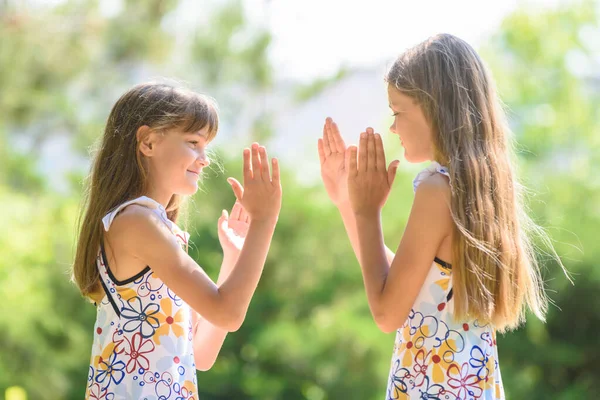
(145, 140)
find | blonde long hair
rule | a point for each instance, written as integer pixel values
(118, 173)
(495, 273)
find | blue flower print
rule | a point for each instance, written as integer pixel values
(110, 371)
(140, 319)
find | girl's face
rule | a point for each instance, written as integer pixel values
(411, 126)
(175, 161)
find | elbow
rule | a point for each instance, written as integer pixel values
(204, 365)
(385, 323)
(234, 321)
(234, 325)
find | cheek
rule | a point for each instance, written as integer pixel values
(177, 158)
(404, 129)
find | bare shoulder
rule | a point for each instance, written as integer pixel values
(137, 219)
(435, 184)
(432, 199)
(137, 227)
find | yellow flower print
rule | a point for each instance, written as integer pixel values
(444, 282)
(188, 390)
(439, 361)
(126, 293)
(167, 321)
(407, 347)
(100, 361)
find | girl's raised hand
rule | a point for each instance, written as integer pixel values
(261, 194)
(232, 229)
(369, 181)
(334, 173)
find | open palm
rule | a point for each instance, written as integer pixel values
(334, 173)
(233, 229)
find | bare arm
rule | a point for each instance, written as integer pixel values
(208, 338)
(225, 306)
(148, 239)
(349, 220)
(392, 289)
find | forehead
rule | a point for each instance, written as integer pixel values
(398, 99)
(202, 133)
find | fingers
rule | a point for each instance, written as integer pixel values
(236, 211)
(255, 160)
(321, 151)
(336, 138)
(222, 223)
(244, 216)
(351, 153)
(326, 144)
(362, 152)
(392, 172)
(275, 167)
(237, 188)
(380, 153)
(264, 164)
(371, 154)
(347, 158)
(247, 166)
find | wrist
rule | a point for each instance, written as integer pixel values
(227, 265)
(231, 256)
(344, 205)
(367, 214)
(265, 221)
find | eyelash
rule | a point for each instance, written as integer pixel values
(395, 114)
(193, 142)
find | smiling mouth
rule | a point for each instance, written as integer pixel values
(194, 172)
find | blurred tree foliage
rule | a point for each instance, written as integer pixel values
(308, 334)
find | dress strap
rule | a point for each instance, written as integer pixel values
(153, 205)
(433, 168)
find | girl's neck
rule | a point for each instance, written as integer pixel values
(158, 196)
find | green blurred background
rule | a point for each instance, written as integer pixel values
(308, 333)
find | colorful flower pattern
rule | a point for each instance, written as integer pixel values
(436, 357)
(142, 345)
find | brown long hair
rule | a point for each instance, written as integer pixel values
(118, 173)
(495, 272)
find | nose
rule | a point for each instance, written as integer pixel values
(203, 160)
(393, 127)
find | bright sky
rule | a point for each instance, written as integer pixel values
(315, 38)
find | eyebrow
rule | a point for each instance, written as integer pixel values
(202, 135)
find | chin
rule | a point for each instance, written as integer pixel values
(414, 159)
(187, 190)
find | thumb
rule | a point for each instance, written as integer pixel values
(223, 219)
(392, 171)
(237, 188)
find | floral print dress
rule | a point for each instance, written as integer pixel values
(436, 357)
(142, 346)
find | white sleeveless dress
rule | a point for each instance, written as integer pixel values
(436, 357)
(143, 346)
